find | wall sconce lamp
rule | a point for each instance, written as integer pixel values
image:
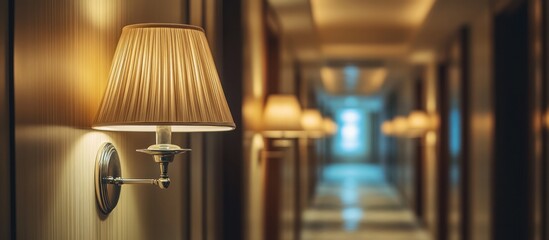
(400, 126)
(387, 128)
(329, 126)
(282, 117)
(163, 79)
(311, 121)
(419, 123)
(416, 124)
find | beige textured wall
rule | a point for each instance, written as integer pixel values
(481, 126)
(252, 109)
(62, 58)
(430, 151)
(4, 127)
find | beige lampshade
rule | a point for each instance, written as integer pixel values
(400, 126)
(163, 75)
(387, 128)
(282, 116)
(418, 123)
(329, 126)
(311, 121)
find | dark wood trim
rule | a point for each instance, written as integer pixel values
(442, 153)
(544, 31)
(465, 175)
(204, 190)
(187, 216)
(297, 190)
(390, 153)
(272, 193)
(11, 102)
(511, 196)
(419, 168)
(313, 166)
(273, 173)
(232, 152)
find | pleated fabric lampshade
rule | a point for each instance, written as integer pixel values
(163, 75)
(282, 116)
(311, 121)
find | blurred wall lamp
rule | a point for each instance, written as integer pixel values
(163, 79)
(419, 123)
(311, 121)
(282, 117)
(416, 124)
(400, 126)
(329, 126)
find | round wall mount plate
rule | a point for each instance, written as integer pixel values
(107, 164)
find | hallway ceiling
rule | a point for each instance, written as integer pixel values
(364, 29)
(352, 79)
(395, 33)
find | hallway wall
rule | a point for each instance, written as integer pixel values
(481, 122)
(406, 151)
(481, 132)
(62, 59)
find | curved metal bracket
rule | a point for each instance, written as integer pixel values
(108, 175)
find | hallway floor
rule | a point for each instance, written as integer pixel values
(354, 202)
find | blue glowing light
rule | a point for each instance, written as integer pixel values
(349, 191)
(455, 132)
(351, 140)
(351, 218)
(350, 116)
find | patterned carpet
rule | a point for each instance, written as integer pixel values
(355, 203)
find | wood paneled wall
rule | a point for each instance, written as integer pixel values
(63, 53)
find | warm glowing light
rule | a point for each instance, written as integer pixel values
(101, 15)
(431, 138)
(418, 123)
(163, 75)
(282, 116)
(387, 128)
(422, 57)
(252, 113)
(400, 126)
(329, 126)
(311, 121)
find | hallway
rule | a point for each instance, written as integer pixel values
(355, 202)
(274, 120)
